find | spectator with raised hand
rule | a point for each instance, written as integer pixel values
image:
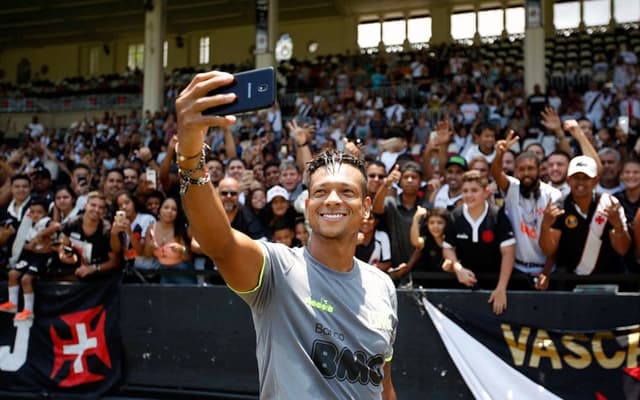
(479, 239)
(112, 185)
(397, 213)
(595, 224)
(169, 243)
(525, 199)
(551, 121)
(427, 236)
(129, 230)
(81, 178)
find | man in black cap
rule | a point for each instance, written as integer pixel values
(42, 183)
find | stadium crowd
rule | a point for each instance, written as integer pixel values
(471, 178)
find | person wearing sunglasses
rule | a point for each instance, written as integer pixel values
(239, 215)
(376, 173)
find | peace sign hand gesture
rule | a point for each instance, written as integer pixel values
(503, 145)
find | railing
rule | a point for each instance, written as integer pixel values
(71, 103)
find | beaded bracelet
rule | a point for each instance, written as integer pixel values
(185, 174)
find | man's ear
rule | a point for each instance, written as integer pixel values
(366, 204)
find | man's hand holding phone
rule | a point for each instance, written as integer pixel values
(192, 101)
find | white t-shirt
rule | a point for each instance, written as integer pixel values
(526, 219)
(443, 200)
(474, 151)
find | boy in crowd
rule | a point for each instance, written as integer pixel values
(32, 261)
(373, 245)
(479, 239)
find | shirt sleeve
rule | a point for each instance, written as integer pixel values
(450, 234)
(505, 231)
(385, 246)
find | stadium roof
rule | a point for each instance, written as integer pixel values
(26, 23)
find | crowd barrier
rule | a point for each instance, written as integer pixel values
(199, 342)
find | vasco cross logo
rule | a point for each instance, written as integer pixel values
(85, 341)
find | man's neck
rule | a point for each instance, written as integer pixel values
(583, 203)
(486, 152)
(367, 237)
(231, 215)
(476, 212)
(336, 254)
(609, 183)
(89, 223)
(408, 200)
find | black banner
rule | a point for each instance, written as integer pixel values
(72, 349)
(535, 359)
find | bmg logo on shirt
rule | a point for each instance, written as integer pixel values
(344, 364)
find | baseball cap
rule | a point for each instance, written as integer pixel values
(41, 170)
(584, 164)
(276, 191)
(457, 160)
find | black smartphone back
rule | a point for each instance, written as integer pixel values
(254, 90)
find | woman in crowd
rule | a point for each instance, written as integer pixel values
(169, 243)
(278, 208)
(257, 200)
(152, 202)
(64, 204)
(131, 227)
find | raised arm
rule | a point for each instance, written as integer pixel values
(550, 238)
(496, 166)
(238, 258)
(229, 142)
(551, 121)
(165, 167)
(378, 200)
(585, 145)
(301, 135)
(417, 241)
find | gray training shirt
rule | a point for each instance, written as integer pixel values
(321, 334)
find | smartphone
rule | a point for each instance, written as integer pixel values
(82, 180)
(623, 121)
(433, 136)
(151, 177)
(254, 90)
(120, 216)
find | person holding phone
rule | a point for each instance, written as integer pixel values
(297, 295)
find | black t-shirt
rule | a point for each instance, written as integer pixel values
(575, 228)
(630, 209)
(98, 244)
(478, 247)
(248, 223)
(431, 259)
